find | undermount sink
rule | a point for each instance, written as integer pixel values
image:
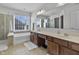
(63, 35)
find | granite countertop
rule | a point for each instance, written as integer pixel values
(74, 39)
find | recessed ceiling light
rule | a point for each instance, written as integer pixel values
(24, 9)
(60, 4)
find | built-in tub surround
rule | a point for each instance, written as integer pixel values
(10, 39)
(17, 38)
(21, 37)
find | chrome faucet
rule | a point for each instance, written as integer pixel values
(58, 32)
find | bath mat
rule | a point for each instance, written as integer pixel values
(30, 45)
(3, 47)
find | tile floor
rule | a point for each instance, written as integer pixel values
(20, 49)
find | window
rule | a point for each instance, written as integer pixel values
(22, 23)
(56, 21)
(42, 23)
(62, 21)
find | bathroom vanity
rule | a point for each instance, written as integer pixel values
(56, 44)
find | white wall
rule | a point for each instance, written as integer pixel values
(70, 18)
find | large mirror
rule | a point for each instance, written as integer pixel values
(56, 22)
(42, 22)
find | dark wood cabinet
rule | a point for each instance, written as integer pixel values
(60, 41)
(53, 48)
(33, 38)
(62, 47)
(67, 51)
(56, 46)
(41, 40)
(37, 39)
(74, 46)
(50, 38)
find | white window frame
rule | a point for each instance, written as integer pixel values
(14, 25)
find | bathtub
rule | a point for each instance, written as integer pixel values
(21, 37)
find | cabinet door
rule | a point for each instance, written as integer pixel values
(61, 42)
(31, 37)
(53, 48)
(74, 46)
(35, 39)
(67, 51)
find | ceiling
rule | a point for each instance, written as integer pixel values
(30, 7)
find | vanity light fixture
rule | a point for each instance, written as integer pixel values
(41, 12)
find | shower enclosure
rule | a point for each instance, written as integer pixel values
(4, 25)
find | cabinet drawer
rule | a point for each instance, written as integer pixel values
(32, 33)
(74, 46)
(50, 38)
(42, 36)
(67, 51)
(61, 42)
